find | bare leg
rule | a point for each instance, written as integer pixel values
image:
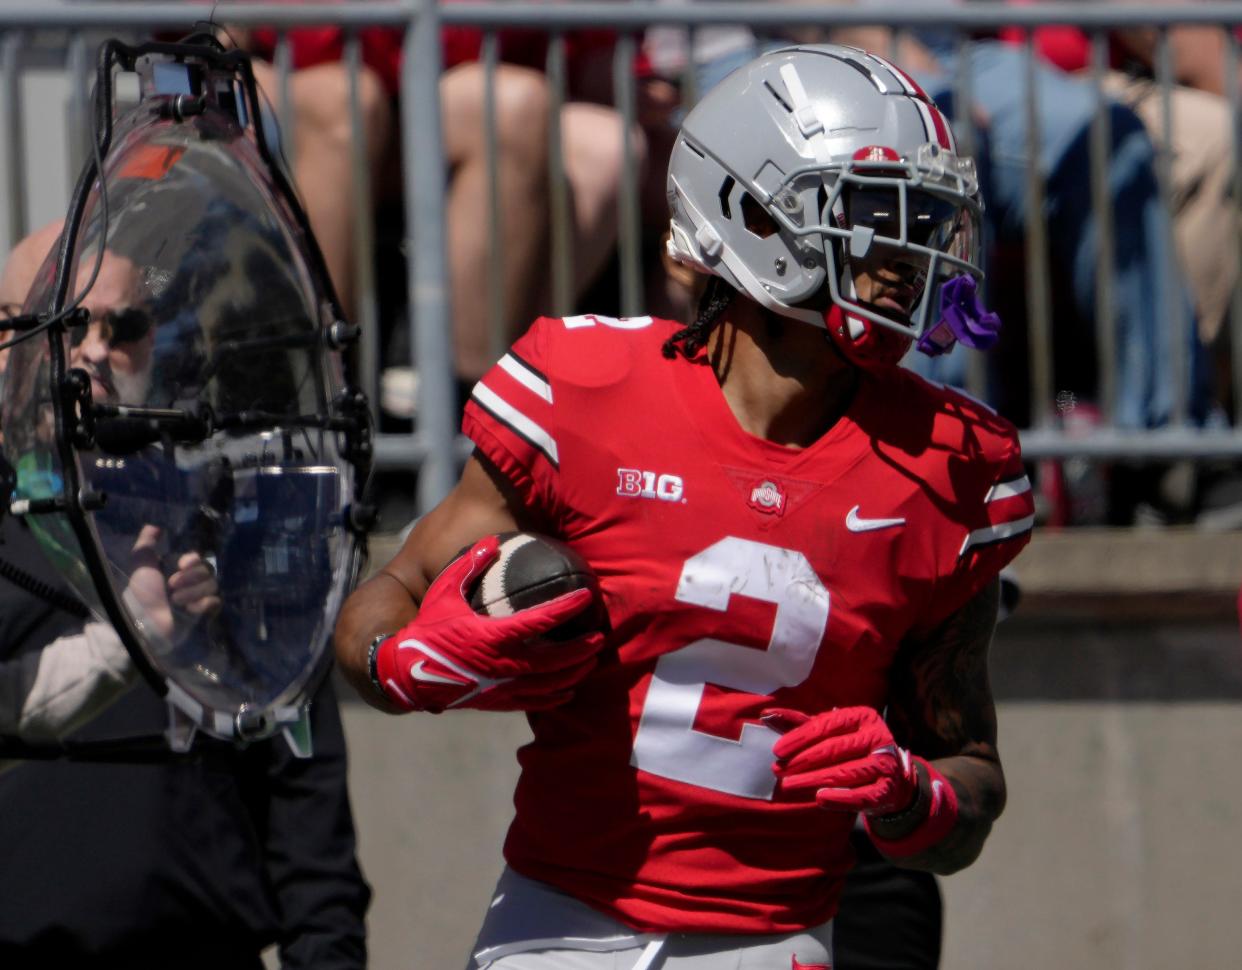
(322, 165)
(522, 139)
(591, 136)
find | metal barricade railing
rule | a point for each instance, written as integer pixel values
(432, 445)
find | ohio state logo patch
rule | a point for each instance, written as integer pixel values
(772, 498)
(768, 497)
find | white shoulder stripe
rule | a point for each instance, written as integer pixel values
(995, 533)
(516, 420)
(526, 377)
(1016, 486)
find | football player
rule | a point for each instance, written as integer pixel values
(797, 542)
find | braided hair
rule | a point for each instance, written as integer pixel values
(688, 341)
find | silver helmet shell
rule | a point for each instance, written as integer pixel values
(793, 134)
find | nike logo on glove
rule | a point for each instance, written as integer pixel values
(427, 677)
(856, 523)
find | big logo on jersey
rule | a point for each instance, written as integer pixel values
(635, 483)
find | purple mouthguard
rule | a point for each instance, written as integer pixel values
(963, 317)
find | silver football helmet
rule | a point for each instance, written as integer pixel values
(810, 158)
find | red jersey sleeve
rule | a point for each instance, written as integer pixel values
(990, 526)
(511, 419)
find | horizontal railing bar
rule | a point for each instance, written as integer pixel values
(641, 13)
(395, 451)
(1171, 443)
(401, 452)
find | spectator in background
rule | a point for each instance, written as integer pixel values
(1200, 145)
(66, 677)
(592, 146)
(197, 863)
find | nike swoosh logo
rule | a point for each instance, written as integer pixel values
(856, 523)
(427, 677)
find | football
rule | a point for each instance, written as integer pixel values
(532, 569)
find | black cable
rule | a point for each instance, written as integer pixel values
(44, 591)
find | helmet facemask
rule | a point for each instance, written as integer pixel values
(899, 234)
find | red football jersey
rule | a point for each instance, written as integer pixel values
(739, 575)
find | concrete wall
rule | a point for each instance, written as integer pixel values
(1119, 848)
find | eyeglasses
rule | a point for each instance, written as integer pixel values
(122, 326)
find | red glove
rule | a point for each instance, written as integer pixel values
(451, 656)
(847, 757)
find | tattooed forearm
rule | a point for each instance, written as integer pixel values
(941, 707)
(940, 696)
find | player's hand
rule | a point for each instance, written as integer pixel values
(450, 656)
(845, 757)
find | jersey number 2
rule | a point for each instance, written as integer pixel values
(667, 743)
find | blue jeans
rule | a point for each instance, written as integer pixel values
(1148, 288)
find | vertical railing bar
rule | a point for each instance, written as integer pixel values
(689, 73)
(365, 311)
(1102, 210)
(964, 135)
(963, 96)
(496, 328)
(560, 239)
(14, 145)
(425, 186)
(629, 218)
(1233, 63)
(894, 44)
(77, 113)
(1174, 307)
(1037, 298)
(282, 61)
